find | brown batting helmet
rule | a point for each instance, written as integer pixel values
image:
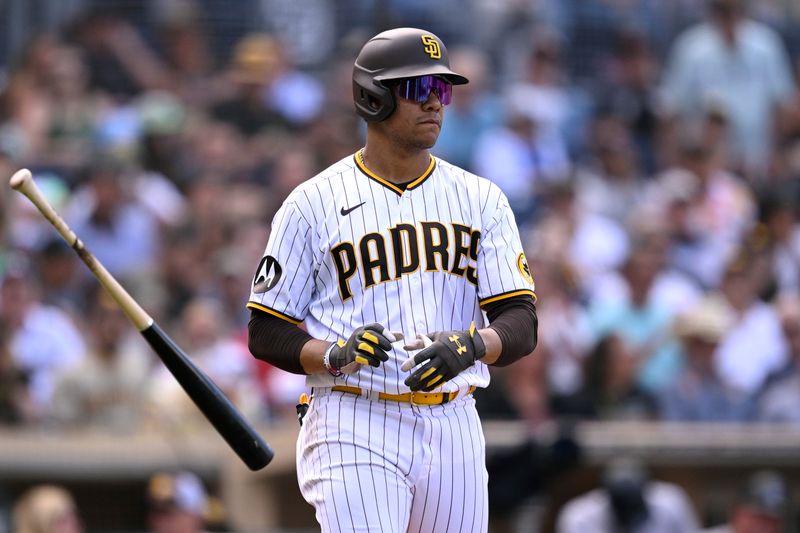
(391, 55)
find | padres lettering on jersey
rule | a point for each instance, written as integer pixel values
(348, 248)
(382, 259)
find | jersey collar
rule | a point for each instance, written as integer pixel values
(359, 159)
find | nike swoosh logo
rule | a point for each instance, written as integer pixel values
(346, 212)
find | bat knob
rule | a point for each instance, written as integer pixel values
(19, 178)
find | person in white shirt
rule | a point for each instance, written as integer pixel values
(629, 501)
(42, 339)
(754, 347)
(736, 64)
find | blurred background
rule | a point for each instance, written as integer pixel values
(651, 153)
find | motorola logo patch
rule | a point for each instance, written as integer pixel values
(267, 275)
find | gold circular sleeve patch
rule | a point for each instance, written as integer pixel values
(524, 269)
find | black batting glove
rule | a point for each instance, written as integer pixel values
(445, 354)
(367, 345)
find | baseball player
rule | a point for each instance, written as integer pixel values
(409, 276)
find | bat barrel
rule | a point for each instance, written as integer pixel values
(211, 401)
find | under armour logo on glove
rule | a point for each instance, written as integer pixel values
(442, 358)
(461, 347)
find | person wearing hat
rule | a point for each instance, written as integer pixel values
(253, 67)
(698, 394)
(760, 506)
(393, 244)
(177, 502)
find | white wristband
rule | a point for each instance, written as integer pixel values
(326, 360)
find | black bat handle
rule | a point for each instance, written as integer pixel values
(212, 402)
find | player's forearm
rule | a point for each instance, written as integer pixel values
(311, 356)
(494, 346)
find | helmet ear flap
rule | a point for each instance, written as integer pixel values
(373, 101)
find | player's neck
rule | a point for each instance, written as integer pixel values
(394, 165)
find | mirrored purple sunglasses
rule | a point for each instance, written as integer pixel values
(418, 89)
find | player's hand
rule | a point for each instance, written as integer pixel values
(444, 355)
(367, 345)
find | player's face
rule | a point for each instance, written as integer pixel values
(417, 119)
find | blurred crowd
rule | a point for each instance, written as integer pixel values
(628, 499)
(175, 501)
(650, 150)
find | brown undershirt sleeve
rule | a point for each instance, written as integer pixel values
(515, 322)
(276, 341)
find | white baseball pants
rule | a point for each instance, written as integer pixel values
(383, 466)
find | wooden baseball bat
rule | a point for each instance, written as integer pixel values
(208, 397)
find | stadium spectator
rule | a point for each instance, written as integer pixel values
(778, 399)
(15, 402)
(698, 394)
(216, 150)
(25, 104)
(186, 41)
(630, 94)
(120, 61)
(760, 507)
(609, 390)
(254, 66)
(42, 339)
(740, 65)
(338, 132)
(519, 160)
(639, 302)
(105, 390)
(629, 500)
(163, 120)
(524, 391)
(177, 502)
(754, 346)
(589, 244)
(543, 95)
(778, 233)
(609, 182)
(59, 274)
(711, 210)
(46, 509)
(529, 150)
(121, 233)
(564, 329)
(204, 334)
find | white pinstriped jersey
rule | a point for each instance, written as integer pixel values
(348, 248)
